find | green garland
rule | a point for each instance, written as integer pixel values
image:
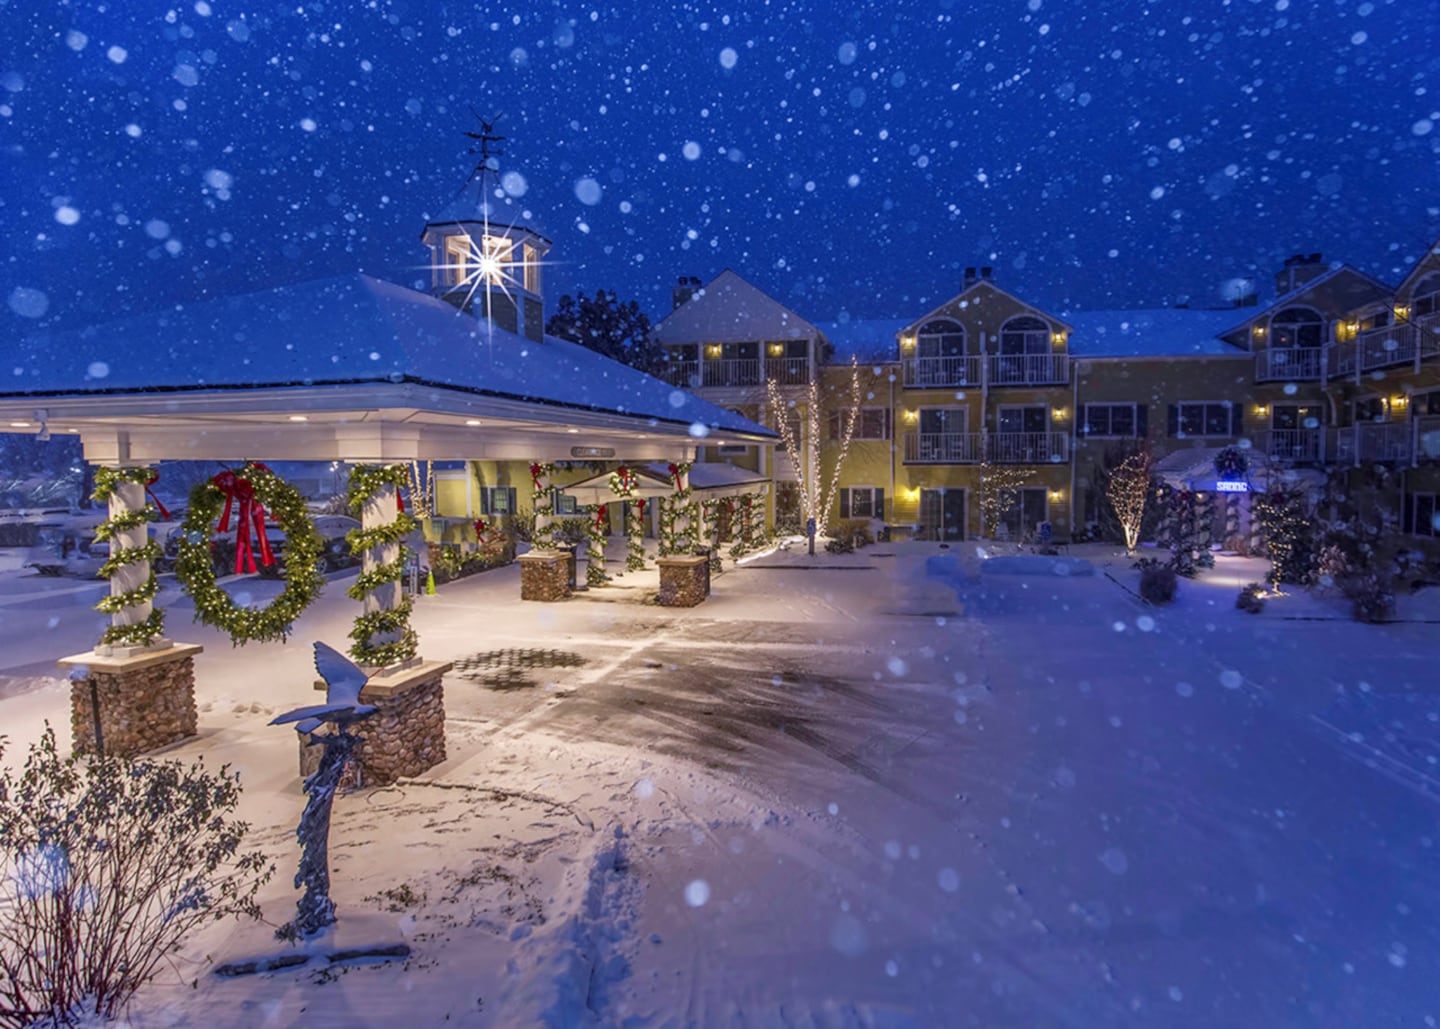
(595, 548)
(635, 545)
(152, 627)
(542, 503)
(195, 569)
(673, 539)
(366, 481)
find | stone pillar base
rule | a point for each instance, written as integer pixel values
(544, 576)
(146, 697)
(405, 737)
(684, 581)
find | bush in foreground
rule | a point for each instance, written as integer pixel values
(1157, 581)
(105, 866)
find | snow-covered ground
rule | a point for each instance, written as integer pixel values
(890, 788)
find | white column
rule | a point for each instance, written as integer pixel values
(129, 497)
(378, 512)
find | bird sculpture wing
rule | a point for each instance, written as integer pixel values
(343, 678)
(325, 712)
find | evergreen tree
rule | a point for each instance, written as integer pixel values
(605, 325)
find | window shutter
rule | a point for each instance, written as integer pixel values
(879, 510)
(844, 503)
(1142, 420)
(1080, 421)
(1237, 419)
(1172, 420)
(485, 505)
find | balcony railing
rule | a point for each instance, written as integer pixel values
(1379, 441)
(685, 374)
(1029, 369)
(1029, 447)
(731, 371)
(1300, 446)
(1291, 364)
(958, 370)
(788, 371)
(1427, 438)
(942, 447)
(1385, 347)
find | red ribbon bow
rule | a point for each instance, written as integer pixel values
(600, 516)
(154, 478)
(479, 530)
(251, 512)
(675, 471)
(535, 472)
(640, 506)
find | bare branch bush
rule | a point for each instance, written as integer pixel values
(105, 866)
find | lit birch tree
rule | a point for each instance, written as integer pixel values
(803, 446)
(1127, 490)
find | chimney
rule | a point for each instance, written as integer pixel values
(985, 271)
(969, 277)
(1298, 270)
(685, 288)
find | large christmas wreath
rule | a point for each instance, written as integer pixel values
(149, 629)
(1230, 464)
(251, 495)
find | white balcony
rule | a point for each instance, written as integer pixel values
(1388, 442)
(1029, 369)
(1289, 364)
(1029, 447)
(958, 370)
(942, 447)
(1294, 446)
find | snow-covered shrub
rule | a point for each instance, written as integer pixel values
(847, 536)
(1251, 598)
(105, 866)
(1157, 581)
(1371, 596)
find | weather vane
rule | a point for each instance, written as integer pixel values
(485, 145)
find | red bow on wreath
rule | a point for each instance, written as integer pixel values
(154, 478)
(600, 516)
(535, 472)
(251, 513)
(479, 530)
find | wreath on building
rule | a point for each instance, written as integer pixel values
(1230, 464)
(150, 628)
(253, 495)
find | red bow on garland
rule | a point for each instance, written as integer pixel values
(154, 478)
(600, 516)
(479, 530)
(535, 472)
(675, 472)
(250, 513)
(640, 507)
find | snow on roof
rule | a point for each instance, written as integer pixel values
(867, 340)
(1159, 332)
(498, 213)
(350, 329)
(1361, 289)
(731, 309)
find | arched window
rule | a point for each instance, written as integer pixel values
(940, 338)
(1296, 327)
(1426, 297)
(1025, 335)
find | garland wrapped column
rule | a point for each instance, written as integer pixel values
(1232, 517)
(134, 620)
(382, 633)
(543, 503)
(710, 533)
(635, 548)
(595, 546)
(757, 519)
(739, 525)
(1204, 531)
(677, 533)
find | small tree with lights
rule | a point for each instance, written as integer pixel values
(999, 487)
(1287, 529)
(1127, 489)
(802, 443)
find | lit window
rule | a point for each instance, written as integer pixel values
(532, 269)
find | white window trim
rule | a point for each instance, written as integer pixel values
(852, 490)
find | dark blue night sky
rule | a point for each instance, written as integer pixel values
(1100, 154)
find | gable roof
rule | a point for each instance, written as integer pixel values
(988, 284)
(1428, 262)
(1361, 289)
(1159, 332)
(345, 330)
(731, 309)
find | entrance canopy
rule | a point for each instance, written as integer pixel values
(350, 369)
(708, 481)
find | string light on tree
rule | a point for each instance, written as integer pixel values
(1127, 492)
(803, 449)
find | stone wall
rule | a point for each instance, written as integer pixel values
(144, 705)
(544, 576)
(684, 581)
(405, 737)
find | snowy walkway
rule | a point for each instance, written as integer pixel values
(860, 797)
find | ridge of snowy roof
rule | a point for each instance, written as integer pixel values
(1291, 295)
(343, 330)
(728, 308)
(1150, 332)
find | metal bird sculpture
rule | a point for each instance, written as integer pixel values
(343, 682)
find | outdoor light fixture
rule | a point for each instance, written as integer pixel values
(1402, 311)
(1261, 409)
(572, 431)
(1058, 414)
(1058, 337)
(1259, 329)
(19, 425)
(298, 418)
(472, 421)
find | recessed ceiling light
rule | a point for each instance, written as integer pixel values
(298, 418)
(572, 430)
(19, 425)
(472, 421)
